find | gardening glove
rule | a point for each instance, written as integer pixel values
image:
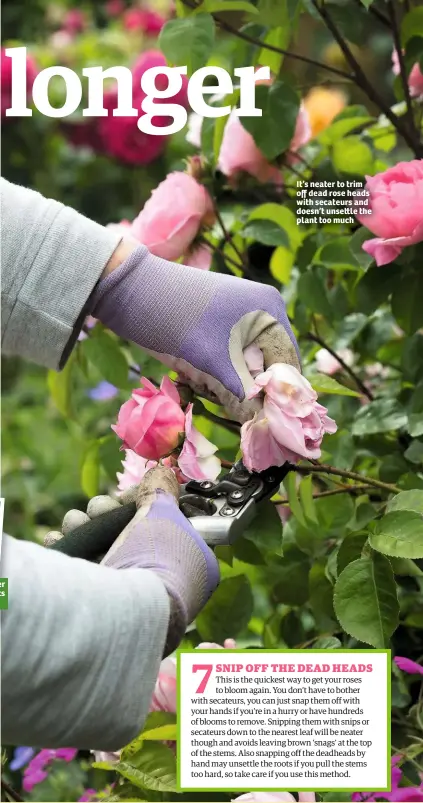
(198, 323)
(161, 539)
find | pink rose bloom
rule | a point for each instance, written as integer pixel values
(173, 216)
(146, 20)
(291, 424)
(6, 80)
(155, 58)
(197, 460)
(164, 695)
(276, 797)
(396, 200)
(121, 138)
(415, 78)
(406, 665)
(397, 794)
(326, 363)
(74, 21)
(114, 7)
(134, 469)
(151, 422)
(240, 154)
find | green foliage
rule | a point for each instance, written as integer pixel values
(188, 42)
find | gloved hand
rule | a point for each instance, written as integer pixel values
(197, 323)
(160, 538)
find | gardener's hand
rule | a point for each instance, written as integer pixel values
(198, 323)
(159, 538)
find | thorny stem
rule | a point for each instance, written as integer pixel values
(362, 81)
(345, 490)
(360, 384)
(226, 26)
(349, 475)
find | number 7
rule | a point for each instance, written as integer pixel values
(208, 670)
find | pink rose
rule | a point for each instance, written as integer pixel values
(173, 216)
(396, 200)
(326, 363)
(240, 154)
(121, 138)
(276, 797)
(146, 20)
(415, 78)
(197, 460)
(291, 424)
(6, 80)
(164, 695)
(154, 58)
(134, 469)
(74, 21)
(114, 8)
(151, 422)
(406, 665)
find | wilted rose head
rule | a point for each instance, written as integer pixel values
(152, 421)
(291, 424)
(396, 201)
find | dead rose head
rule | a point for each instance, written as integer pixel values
(291, 424)
(152, 421)
(173, 216)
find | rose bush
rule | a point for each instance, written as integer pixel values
(346, 522)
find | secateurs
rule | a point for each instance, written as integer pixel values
(220, 511)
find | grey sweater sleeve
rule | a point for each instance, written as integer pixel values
(52, 258)
(81, 649)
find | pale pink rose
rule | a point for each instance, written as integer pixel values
(197, 460)
(164, 695)
(415, 78)
(200, 257)
(376, 369)
(302, 133)
(240, 154)
(173, 216)
(326, 363)
(60, 40)
(291, 424)
(275, 797)
(396, 200)
(151, 422)
(254, 358)
(134, 469)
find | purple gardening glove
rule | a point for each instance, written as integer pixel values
(159, 538)
(198, 323)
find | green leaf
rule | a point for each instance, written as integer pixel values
(335, 512)
(406, 500)
(265, 531)
(406, 302)
(350, 118)
(292, 571)
(327, 384)
(282, 216)
(159, 726)
(233, 594)
(404, 567)
(327, 643)
(153, 767)
(414, 453)
(321, 598)
(103, 351)
(312, 292)
(412, 24)
(305, 491)
(214, 6)
(277, 37)
(60, 385)
(278, 102)
(266, 232)
(382, 415)
(110, 457)
(350, 550)
(355, 244)
(189, 41)
(399, 534)
(336, 255)
(365, 600)
(290, 485)
(376, 286)
(352, 155)
(90, 472)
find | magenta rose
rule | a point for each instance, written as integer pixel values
(146, 20)
(152, 421)
(121, 138)
(6, 80)
(291, 424)
(396, 200)
(173, 216)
